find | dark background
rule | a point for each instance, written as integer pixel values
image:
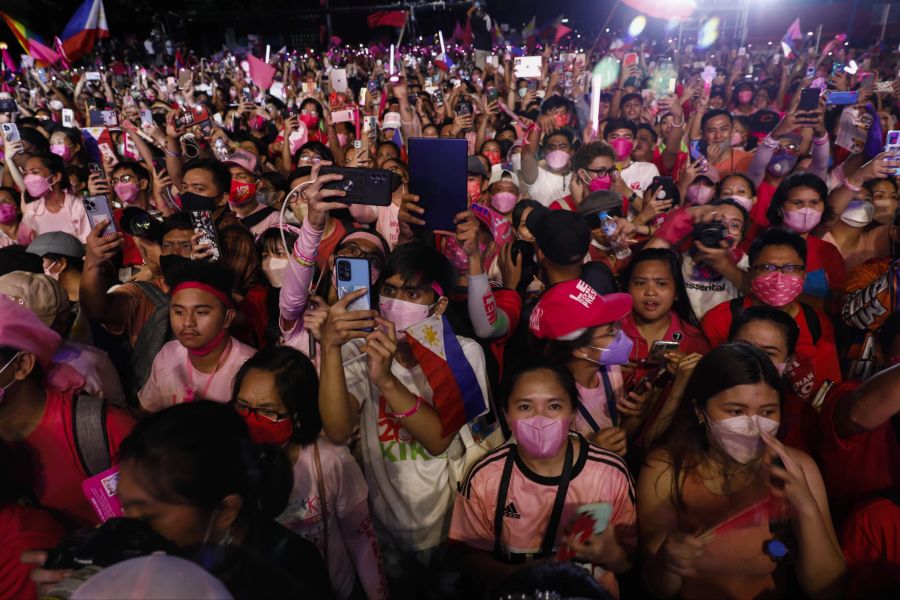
(205, 24)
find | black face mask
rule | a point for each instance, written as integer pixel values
(170, 264)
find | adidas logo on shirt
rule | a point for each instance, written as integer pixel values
(511, 512)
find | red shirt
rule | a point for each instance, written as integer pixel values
(824, 256)
(857, 467)
(254, 307)
(327, 245)
(689, 338)
(53, 458)
(813, 364)
(871, 543)
(23, 528)
(130, 253)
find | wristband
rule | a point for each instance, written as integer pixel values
(679, 125)
(301, 258)
(821, 141)
(410, 412)
(770, 142)
(851, 187)
(171, 153)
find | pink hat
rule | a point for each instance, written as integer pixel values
(244, 159)
(22, 330)
(567, 309)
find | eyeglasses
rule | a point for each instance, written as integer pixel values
(122, 179)
(734, 225)
(266, 413)
(351, 250)
(601, 172)
(786, 269)
(314, 113)
(311, 159)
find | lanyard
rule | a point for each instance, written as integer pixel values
(610, 395)
(558, 504)
(190, 373)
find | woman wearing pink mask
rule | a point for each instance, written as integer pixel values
(65, 142)
(719, 459)
(777, 274)
(743, 99)
(520, 501)
(799, 205)
(11, 231)
(55, 208)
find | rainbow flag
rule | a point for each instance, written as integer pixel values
(22, 33)
(457, 394)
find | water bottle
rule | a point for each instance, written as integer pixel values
(609, 227)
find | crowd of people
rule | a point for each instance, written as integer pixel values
(669, 311)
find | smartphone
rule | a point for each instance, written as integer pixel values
(527, 67)
(438, 96)
(893, 147)
(809, 99)
(146, 118)
(8, 105)
(104, 118)
(11, 132)
(363, 186)
(777, 483)
(95, 168)
(342, 116)
(491, 93)
(92, 76)
(338, 80)
(810, 71)
(200, 209)
(184, 79)
(437, 169)
(696, 150)
(664, 184)
(97, 209)
(354, 274)
(68, 117)
(660, 346)
(841, 98)
(463, 107)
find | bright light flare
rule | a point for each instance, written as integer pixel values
(637, 26)
(709, 33)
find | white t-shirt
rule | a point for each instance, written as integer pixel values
(174, 380)
(345, 488)
(548, 187)
(409, 489)
(639, 176)
(705, 293)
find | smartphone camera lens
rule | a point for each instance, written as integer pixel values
(344, 271)
(89, 204)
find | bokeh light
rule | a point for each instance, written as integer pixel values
(637, 26)
(709, 33)
(608, 70)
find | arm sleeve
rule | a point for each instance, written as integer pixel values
(471, 524)
(761, 159)
(488, 320)
(819, 164)
(295, 288)
(358, 534)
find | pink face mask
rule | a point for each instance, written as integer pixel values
(557, 159)
(503, 201)
(7, 214)
(744, 201)
(623, 148)
(802, 220)
(698, 195)
(745, 97)
(736, 140)
(597, 184)
(739, 437)
(474, 189)
(37, 185)
(342, 139)
(401, 313)
(457, 256)
(540, 436)
(777, 289)
(62, 151)
(127, 191)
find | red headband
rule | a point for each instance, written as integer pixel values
(196, 285)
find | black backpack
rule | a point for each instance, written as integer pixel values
(812, 319)
(154, 334)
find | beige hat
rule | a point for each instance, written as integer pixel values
(498, 173)
(39, 293)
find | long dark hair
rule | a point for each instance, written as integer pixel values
(681, 305)
(297, 384)
(791, 182)
(723, 368)
(200, 452)
(272, 235)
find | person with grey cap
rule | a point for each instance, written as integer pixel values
(63, 257)
(601, 248)
(503, 187)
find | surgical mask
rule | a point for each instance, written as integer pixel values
(342, 139)
(596, 184)
(120, 148)
(241, 192)
(745, 96)
(739, 437)
(540, 436)
(6, 366)
(62, 151)
(744, 201)
(403, 314)
(48, 271)
(781, 164)
(623, 148)
(266, 196)
(736, 140)
(557, 159)
(776, 289)
(516, 161)
(264, 431)
(699, 195)
(802, 220)
(522, 92)
(617, 353)
(311, 121)
(127, 191)
(274, 268)
(502, 201)
(858, 213)
(56, 105)
(37, 185)
(7, 214)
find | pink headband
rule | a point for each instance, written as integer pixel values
(196, 285)
(365, 235)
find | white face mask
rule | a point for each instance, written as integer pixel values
(274, 269)
(858, 213)
(739, 436)
(516, 161)
(48, 271)
(56, 105)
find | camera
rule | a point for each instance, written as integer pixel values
(116, 540)
(344, 271)
(710, 234)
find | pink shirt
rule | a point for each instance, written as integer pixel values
(174, 380)
(597, 476)
(71, 219)
(594, 400)
(388, 223)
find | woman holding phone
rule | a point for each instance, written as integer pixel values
(725, 509)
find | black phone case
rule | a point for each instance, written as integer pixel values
(437, 174)
(371, 187)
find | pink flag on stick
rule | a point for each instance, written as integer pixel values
(561, 32)
(42, 53)
(260, 72)
(9, 62)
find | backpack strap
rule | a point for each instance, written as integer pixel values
(89, 433)
(256, 218)
(812, 322)
(737, 306)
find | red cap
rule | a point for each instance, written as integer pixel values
(567, 309)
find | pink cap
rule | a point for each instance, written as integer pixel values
(21, 329)
(245, 159)
(567, 309)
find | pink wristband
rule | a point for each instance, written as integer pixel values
(821, 141)
(410, 412)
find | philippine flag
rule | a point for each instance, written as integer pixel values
(457, 395)
(86, 26)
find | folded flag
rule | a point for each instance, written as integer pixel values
(86, 26)
(457, 395)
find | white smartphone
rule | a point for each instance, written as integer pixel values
(527, 67)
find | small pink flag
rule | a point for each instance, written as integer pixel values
(9, 62)
(561, 32)
(42, 53)
(261, 73)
